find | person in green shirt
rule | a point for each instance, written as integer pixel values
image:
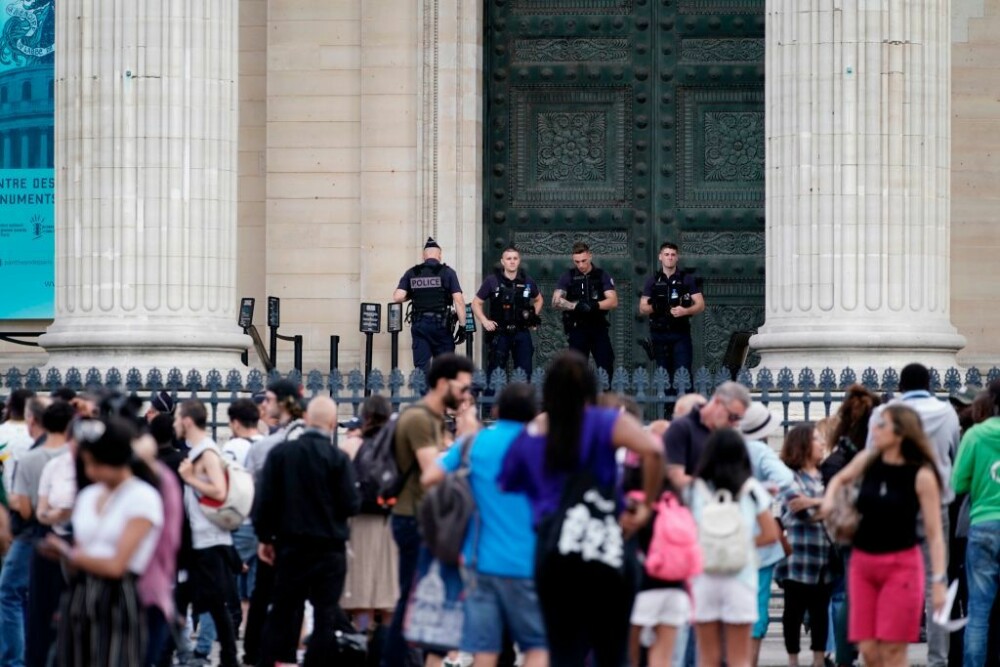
(977, 472)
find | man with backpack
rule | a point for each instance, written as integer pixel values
(418, 438)
(212, 571)
(306, 492)
(499, 545)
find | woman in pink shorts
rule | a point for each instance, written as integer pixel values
(885, 582)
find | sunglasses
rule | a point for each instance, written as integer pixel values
(88, 430)
(733, 417)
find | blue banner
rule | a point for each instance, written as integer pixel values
(27, 178)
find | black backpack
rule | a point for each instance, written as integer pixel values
(446, 509)
(379, 478)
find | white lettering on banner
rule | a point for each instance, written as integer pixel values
(594, 538)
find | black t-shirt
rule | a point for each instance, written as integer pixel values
(888, 504)
(685, 441)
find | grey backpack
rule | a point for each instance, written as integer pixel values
(445, 512)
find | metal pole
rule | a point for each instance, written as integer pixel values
(394, 345)
(274, 347)
(298, 353)
(334, 353)
(369, 345)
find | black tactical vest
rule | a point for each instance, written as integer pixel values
(427, 290)
(668, 293)
(510, 302)
(589, 287)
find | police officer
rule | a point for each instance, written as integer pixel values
(436, 297)
(585, 294)
(515, 304)
(671, 297)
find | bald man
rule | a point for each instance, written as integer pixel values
(305, 497)
(322, 414)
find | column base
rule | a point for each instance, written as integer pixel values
(125, 344)
(868, 346)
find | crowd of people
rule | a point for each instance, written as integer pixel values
(589, 537)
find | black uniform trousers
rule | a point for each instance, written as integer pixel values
(594, 339)
(502, 345)
(673, 350)
(430, 337)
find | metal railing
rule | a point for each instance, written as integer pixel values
(802, 397)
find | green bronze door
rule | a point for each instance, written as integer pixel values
(626, 123)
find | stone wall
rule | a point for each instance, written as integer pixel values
(975, 186)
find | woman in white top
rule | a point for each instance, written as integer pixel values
(725, 595)
(116, 524)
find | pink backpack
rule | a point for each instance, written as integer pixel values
(674, 553)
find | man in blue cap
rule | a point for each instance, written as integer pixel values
(436, 297)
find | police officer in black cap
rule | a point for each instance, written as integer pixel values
(515, 304)
(585, 294)
(671, 297)
(436, 298)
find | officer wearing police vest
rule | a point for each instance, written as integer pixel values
(585, 294)
(436, 303)
(514, 304)
(670, 298)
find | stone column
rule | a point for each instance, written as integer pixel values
(858, 184)
(146, 137)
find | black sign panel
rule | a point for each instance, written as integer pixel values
(470, 321)
(395, 323)
(273, 311)
(371, 318)
(246, 312)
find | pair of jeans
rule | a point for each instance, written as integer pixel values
(303, 573)
(937, 637)
(406, 535)
(799, 598)
(14, 602)
(982, 564)
(45, 588)
(245, 542)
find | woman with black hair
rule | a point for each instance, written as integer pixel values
(885, 580)
(725, 595)
(116, 525)
(372, 560)
(565, 463)
(805, 574)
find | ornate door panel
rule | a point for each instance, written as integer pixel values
(625, 123)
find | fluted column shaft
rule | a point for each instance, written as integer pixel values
(145, 154)
(858, 186)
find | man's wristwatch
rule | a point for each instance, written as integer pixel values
(939, 578)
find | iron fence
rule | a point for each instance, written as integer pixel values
(805, 396)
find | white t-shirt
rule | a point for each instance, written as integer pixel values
(97, 533)
(14, 441)
(204, 533)
(236, 449)
(58, 484)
